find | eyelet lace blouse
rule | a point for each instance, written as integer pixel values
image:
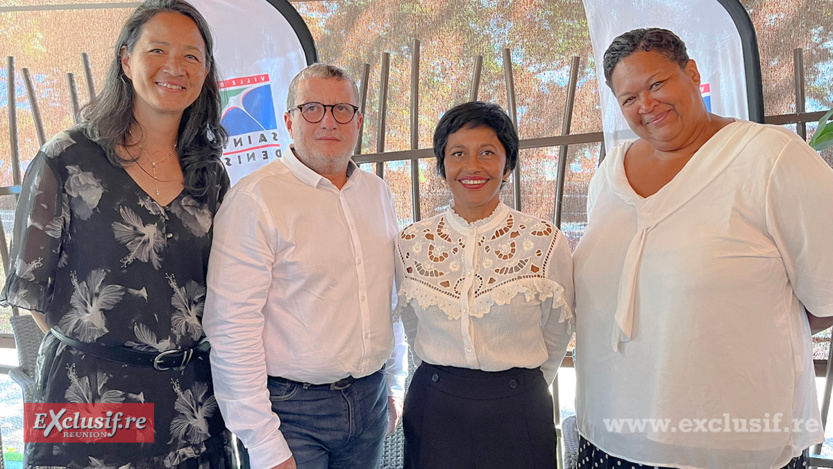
(490, 295)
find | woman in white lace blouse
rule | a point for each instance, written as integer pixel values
(486, 297)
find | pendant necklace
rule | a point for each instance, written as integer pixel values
(153, 164)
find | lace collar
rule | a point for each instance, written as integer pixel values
(460, 224)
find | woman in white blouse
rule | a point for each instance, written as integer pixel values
(707, 240)
(485, 295)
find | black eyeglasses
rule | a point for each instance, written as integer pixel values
(314, 113)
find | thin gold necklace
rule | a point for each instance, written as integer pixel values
(153, 164)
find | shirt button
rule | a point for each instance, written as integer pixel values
(468, 274)
(435, 377)
(468, 349)
(170, 235)
(363, 298)
(471, 232)
(513, 383)
(367, 335)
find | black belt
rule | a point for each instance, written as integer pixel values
(163, 361)
(337, 386)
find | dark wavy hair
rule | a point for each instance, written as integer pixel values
(472, 115)
(201, 139)
(644, 39)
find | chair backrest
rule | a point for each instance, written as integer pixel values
(815, 457)
(27, 338)
(393, 454)
(2, 461)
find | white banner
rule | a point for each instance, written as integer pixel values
(258, 51)
(710, 35)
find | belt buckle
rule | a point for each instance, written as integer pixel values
(186, 357)
(338, 387)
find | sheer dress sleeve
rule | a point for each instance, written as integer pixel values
(40, 223)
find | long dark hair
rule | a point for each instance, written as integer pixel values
(201, 139)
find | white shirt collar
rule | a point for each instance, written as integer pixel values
(310, 177)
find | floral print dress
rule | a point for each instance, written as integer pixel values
(109, 265)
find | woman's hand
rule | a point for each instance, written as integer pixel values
(818, 324)
(40, 318)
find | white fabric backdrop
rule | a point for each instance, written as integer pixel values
(711, 38)
(258, 53)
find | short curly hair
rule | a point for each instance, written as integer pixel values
(644, 39)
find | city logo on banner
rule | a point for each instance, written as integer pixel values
(706, 92)
(249, 117)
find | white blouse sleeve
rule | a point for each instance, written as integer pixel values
(800, 220)
(596, 183)
(558, 323)
(404, 311)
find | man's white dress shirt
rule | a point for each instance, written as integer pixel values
(691, 330)
(300, 286)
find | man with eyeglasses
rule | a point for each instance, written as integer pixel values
(300, 291)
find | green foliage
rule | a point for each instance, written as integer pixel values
(823, 137)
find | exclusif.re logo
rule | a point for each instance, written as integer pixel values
(249, 117)
(88, 423)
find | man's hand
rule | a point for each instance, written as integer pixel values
(288, 464)
(394, 414)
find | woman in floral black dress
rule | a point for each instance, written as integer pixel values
(111, 242)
